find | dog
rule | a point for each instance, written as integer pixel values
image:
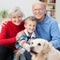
(41, 49)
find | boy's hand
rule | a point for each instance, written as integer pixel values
(25, 45)
(19, 35)
(18, 53)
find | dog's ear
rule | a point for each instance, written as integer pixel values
(46, 47)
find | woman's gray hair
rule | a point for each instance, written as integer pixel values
(15, 10)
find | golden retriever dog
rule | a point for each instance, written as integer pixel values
(41, 49)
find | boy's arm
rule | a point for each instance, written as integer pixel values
(22, 43)
(25, 45)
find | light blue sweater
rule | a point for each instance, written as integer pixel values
(48, 29)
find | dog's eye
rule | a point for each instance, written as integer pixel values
(39, 44)
(31, 43)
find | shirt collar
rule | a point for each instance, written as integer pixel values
(46, 18)
(32, 35)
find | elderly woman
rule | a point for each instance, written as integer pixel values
(8, 35)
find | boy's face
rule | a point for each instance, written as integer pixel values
(16, 19)
(30, 26)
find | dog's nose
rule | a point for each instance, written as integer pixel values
(31, 48)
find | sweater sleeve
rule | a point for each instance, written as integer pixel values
(55, 33)
(4, 40)
(7, 41)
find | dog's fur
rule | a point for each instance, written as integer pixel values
(42, 50)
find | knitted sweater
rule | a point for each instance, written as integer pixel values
(8, 34)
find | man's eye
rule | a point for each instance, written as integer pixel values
(19, 16)
(38, 9)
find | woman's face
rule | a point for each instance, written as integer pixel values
(16, 18)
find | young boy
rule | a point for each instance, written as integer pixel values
(23, 43)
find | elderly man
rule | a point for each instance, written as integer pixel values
(47, 27)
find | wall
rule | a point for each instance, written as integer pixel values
(58, 10)
(25, 5)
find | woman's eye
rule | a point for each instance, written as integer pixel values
(14, 17)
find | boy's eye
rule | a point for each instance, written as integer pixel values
(33, 25)
(29, 25)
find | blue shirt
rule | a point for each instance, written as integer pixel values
(48, 29)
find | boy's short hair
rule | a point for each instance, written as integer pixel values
(29, 19)
(15, 11)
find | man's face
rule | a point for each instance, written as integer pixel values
(39, 11)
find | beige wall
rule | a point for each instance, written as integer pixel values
(58, 10)
(24, 4)
(8, 4)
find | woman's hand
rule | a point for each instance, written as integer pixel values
(4, 22)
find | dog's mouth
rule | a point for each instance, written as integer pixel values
(32, 50)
